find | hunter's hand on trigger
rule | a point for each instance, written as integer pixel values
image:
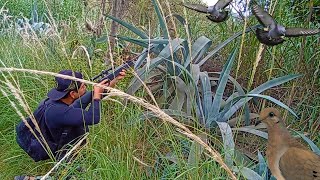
(121, 75)
(97, 89)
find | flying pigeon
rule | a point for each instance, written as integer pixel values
(216, 13)
(273, 33)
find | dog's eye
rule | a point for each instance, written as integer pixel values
(271, 114)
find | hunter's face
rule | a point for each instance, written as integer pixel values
(81, 91)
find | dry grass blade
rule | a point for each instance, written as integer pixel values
(66, 156)
(158, 112)
(141, 162)
(256, 63)
(242, 40)
(54, 24)
(87, 55)
(146, 88)
(215, 155)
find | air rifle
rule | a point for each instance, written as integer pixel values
(113, 74)
(110, 76)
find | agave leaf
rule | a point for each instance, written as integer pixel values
(250, 129)
(228, 142)
(172, 47)
(170, 51)
(263, 168)
(34, 13)
(247, 173)
(143, 55)
(195, 151)
(223, 44)
(230, 98)
(167, 91)
(199, 108)
(135, 84)
(223, 102)
(279, 103)
(140, 60)
(171, 69)
(227, 106)
(186, 75)
(314, 147)
(198, 49)
(143, 74)
(190, 98)
(188, 79)
(130, 27)
(162, 21)
(186, 51)
(143, 41)
(246, 114)
(223, 79)
(180, 94)
(258, 90)
(206, 93)
(273, 83)
(195, 71)
(134, 41)
(233, 81)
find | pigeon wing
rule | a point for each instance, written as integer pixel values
(196, 7)
(297, 164)
(295, 32)
(264, 38)
(262, 16)
(221, 4)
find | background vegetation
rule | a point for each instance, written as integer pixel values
(123, 146)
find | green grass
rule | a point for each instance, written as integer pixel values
(60, 9)
(121, 136)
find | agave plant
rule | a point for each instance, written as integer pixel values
(176, 78)
(182, 90)
(33, 25)
(177, 65)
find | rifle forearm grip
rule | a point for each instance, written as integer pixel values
(110, 76)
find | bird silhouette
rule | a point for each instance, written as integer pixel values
(288, 159)
(274, 33)
(216, 13)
